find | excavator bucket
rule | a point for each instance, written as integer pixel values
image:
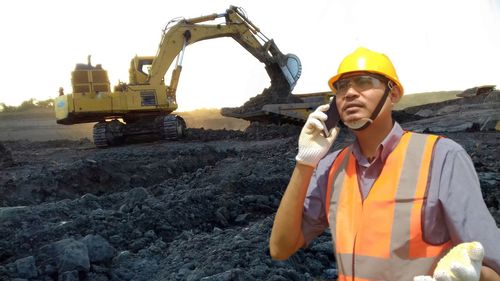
(292, 68)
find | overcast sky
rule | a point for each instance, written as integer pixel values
(434, 44)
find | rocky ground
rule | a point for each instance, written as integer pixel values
(197, 209)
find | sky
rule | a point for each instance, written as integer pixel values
(435, 45)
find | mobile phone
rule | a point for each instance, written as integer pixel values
(333, 118)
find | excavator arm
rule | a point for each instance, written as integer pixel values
(189, 31)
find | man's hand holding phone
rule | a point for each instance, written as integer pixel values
(332, 119)
(318, 135)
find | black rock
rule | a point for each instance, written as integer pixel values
(26, 267)
(71, 255)
(99, 250)
(69, 276)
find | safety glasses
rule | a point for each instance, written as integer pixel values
(360, 83)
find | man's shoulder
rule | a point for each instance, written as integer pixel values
(448, 145)
(444, 144)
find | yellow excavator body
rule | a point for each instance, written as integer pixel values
(92, 100)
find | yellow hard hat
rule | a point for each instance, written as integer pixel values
(363, 59)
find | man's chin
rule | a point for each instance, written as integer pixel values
(356, 124)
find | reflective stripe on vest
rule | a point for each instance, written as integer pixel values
(380, 238)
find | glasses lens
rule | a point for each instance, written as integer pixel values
(360, 83)
(342, 85)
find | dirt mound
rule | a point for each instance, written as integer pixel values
(476, 113)
(273, 94)
(262, 131)
(278, 92)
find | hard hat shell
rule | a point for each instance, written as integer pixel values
(363, 59)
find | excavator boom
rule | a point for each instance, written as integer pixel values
(237, 26)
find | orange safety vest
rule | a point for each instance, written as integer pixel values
(380, 238)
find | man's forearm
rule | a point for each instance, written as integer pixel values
(286, 235)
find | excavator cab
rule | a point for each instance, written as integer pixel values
(139, 69)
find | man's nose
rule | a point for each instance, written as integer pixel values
(351, 93)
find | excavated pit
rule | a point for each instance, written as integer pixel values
(197, 209)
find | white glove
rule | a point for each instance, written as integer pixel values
(462, 263)
(313, 145)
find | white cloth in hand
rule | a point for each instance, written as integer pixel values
(462, 263)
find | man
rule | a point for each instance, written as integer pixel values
(396, 201)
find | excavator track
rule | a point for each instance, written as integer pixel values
(99, 134)
(108, 133)
(172, 127)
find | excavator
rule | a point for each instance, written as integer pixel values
(145, 104)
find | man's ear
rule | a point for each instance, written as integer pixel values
(395, 95)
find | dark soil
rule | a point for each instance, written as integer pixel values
(197, 209)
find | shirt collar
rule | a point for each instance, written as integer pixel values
(385, 147)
